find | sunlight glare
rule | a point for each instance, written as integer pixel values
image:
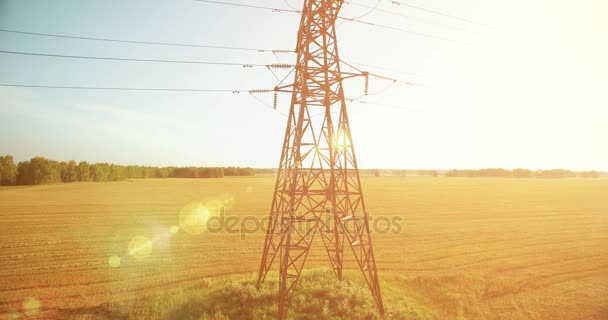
(114, 261)
(13, 316)
(341, 141)
(140, 247)
(193, 218)
(31, 306)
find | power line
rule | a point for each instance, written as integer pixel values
(289, 4)
(394, 13)
(268, 66)
(232, 91)
(121, 88)
(246, 65)
(425, 35)
(351, 63)
(155, 43)
(252, 93)
(274, 9)
(407, 83)
(152, 43)
(372, 9)
(144, 89)
(398, 3)
(159, 43)
(143, 42)
(392, 106)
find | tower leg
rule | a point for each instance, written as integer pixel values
(333, 240)
(354, 220)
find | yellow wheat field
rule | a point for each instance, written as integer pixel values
(468, 248)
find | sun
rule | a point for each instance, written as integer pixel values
(341, 140)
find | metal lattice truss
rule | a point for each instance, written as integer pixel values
(318, 189)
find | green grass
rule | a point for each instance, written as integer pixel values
(318, 296)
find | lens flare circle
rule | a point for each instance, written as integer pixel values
(31, 306)
(13, 316)
(140, 247)
(114, 261)
(193, 218)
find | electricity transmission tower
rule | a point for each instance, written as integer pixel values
(318, 189)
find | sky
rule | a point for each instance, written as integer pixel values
(524, 85)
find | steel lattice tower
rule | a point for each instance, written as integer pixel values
(318, 189)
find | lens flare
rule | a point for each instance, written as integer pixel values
(341, 141)
(140, 247)
(193, 218)
(114, 261)
(228, 201)
(31, 306)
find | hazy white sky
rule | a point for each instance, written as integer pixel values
(527, 90)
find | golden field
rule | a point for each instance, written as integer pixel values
(470, 248)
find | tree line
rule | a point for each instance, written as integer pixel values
(522, 173)
(486, 173)
(40, 170)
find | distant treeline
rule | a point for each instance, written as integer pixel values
(398, 172)
(486, 173)
(40, 170)
(522, 173)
